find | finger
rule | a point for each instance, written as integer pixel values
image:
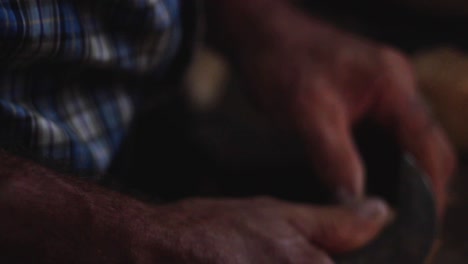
(423, 138)
(325, 125)
(310, 254)
(342, 229)
(401, 109)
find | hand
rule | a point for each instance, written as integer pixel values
(322, 81)
(52, 218)
(259, 230)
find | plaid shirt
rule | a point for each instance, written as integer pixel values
(69, 77)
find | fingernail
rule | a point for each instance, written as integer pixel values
(375, 210)
(346, 197)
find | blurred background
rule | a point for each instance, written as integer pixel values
(221, 139)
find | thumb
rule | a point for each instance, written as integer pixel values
(344, 229)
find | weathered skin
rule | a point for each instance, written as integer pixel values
(306, 74)
(51, 218)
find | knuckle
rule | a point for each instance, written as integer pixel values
(395, 68)
(393, 57)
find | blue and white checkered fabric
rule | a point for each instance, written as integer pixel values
(53, 98)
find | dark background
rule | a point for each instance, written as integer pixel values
(173, 152)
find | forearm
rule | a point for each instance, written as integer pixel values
(50, 218)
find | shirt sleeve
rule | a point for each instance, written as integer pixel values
(131, 35)
(62, 94)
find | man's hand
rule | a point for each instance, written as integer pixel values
(322, 81)
(51, 218)
(261, 230)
